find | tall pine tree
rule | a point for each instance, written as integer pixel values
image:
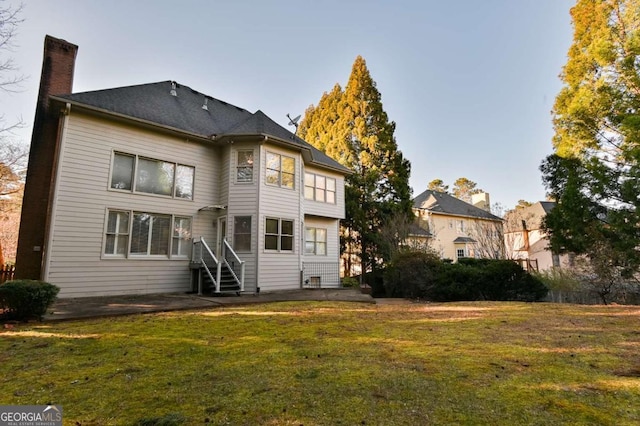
(352, 127)
(595, 173)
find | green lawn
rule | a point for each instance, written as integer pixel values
(328, 363)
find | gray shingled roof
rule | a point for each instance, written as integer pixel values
(547, 206)
(439, 202)
(416, 230)
(461, 240)
(154, 103)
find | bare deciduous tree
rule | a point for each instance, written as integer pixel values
(489, 237)
(9, 21)
(402, 232)
(13, 154)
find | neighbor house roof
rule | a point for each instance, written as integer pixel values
(416, 230)
(193, 113)
(460, 240)
(532, 215)
(442, 203)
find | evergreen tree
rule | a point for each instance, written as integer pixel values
(594, 174)
(438, 186)
(352, 127)
(464, 188)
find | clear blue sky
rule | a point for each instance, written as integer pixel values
(470, 84)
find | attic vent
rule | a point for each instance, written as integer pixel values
(204, 106)
(173, 89)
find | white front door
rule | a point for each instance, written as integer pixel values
(222, 233)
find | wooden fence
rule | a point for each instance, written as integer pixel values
(7, 272)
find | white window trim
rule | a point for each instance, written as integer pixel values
(253, 168)
(134, 177)
(116, 234)
(250, 234)
(181, 241)
(315, 187)
(280, 172)
(150, 236)
(315, 241)
(279, 235)
(139, 256)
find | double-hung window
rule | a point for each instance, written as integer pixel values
(117, 236)
(278, 234)
(315, 241)
(149, 176)
(280, 170)
(244, 166)
(319, 188)
(181, 241)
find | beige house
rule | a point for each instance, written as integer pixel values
(459, 229)
(159, 188)
(526, 240)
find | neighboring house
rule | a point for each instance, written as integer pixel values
(418, 235)
(526, 240)
(128, 189)
(459, 229)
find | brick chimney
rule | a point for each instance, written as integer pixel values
(56, 79)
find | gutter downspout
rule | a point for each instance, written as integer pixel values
(259, 223)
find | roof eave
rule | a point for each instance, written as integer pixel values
(289, 144)
(135, 120)
(205, 138)
(496, 219)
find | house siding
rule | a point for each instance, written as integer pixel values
(75, 260)
(444, 234)
(327, 267)
(317, 208)
(279, 270)
(243, 201)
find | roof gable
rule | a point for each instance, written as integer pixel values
(440, 202)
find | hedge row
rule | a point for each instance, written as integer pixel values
(423, 275)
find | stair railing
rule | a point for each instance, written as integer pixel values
(229, 253)
(201, 253)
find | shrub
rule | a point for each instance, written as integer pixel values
(506, 280)
(350, 282)
(423, 275)
(375, 280)
(410, 274)
(455, 282)
(25, 299)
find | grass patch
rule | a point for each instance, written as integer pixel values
(328, 363)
